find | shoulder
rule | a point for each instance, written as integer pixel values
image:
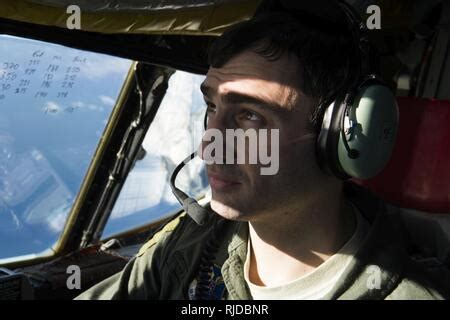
(179, 233)
(162, 234)
(387, 246)
(417, 284)
(411, 290)
(418, 280)
(161, 265)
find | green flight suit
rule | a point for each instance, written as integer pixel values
(166, 265)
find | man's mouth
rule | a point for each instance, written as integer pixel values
(221, 182)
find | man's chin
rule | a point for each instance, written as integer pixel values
(226, 211)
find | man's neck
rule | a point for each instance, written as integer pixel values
(291, 244)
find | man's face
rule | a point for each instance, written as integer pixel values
(249, 92)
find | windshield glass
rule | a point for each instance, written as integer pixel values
(55, 102)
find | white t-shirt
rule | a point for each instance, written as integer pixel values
(316, 284)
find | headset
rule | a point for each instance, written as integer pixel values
(359, 125)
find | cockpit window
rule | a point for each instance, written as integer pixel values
(54, 104)
(175, 132)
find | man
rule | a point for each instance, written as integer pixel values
(292, 235)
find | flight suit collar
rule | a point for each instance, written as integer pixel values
(233, 267)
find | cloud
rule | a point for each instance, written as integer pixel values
(102, 66)
(57, 222)
(95, 107)
(108, 101)
(78, 104)
(51, 107)
(179, 109)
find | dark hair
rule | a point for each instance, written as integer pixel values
(325, 56)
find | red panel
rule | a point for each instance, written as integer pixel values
(418, 174)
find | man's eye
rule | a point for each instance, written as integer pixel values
(251, 116)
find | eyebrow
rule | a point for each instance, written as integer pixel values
(240, 98)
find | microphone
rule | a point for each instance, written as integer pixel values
(199, 214)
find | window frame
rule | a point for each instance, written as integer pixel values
(155, 88)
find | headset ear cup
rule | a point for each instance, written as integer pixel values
(371, 124)
(328, 139)
(371, 129)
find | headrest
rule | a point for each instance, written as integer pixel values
(418, 173)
